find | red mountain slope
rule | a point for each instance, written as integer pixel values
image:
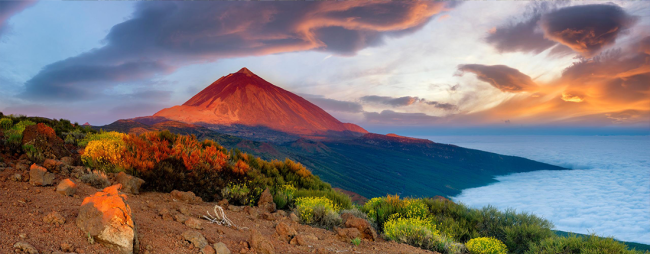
(245, 98)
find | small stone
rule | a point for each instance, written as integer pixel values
(22, 167)
(194, 223)
(165, 215)
(54, 218)
(323, 251)
(66, 187)
(22, 235)
(304, 240)
(66, 247)
(51, 164)
(284, 231)
(260, 243)
(39, 176)
(180, 218)
(221, 248)
(184, 211)
(251, 211)
(25, 247)
(235, 208)
(294, 217)
(268, 216)
(207, 250)
(16, 177)
(223, 203)
(68, 161)
(196, 238)
(186, 196)
(130, 184)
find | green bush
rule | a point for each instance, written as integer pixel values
(283, 195)
(339, 199)
(580, 244)
(356, 241)
(33, 153)
(486, 245)
(446, 245)
(6, 123)
(516, 230)
(96, 179)
(238, 194)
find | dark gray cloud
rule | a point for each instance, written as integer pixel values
(333, 105)
(389, 117)
(502, 77)
(406, 101)
(587, 29)
(390, 101)
(10, 8)
(523, 34)
(164, 35)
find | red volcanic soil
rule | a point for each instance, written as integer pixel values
(245, 98)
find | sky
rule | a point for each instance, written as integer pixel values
(409, 66)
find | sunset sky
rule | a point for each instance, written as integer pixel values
(383, 65)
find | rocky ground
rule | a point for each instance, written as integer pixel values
(41, 211)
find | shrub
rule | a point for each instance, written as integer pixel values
(516, 230)
(486, 245)
(446, 245)
(74, 136)
(356, 213)
(237, 193)
(356, 241)
(413, 231)
(6, 123)
(114, 136)
(580, 244)
(312, 210)
(33, 153)
(104, 151)
(96, 179)
(339, 199)
(283, 195)
(325, 218)
(455, 221)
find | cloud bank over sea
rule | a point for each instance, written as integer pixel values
(607, 193)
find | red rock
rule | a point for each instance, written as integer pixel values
(194, 223)
(363, 226)
(284, 231)
(66, 187)
(54, 218)
(260, 243)
(107, 218)
(51, 164)
(266, 201)
(186, 196)
(304, 240)
(44, 138)
(247, 99)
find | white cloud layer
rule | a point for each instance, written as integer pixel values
(608, 193)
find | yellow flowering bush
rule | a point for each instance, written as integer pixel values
(112, 135)
(415, 231)
(414, 208)
(105, 151)
(486, 245)
(307, 205)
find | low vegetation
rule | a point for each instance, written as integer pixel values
(168, 161)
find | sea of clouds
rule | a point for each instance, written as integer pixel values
(607, 192)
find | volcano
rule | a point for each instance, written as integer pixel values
(245, 99)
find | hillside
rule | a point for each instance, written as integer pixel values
(374, 164)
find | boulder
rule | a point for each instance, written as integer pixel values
(186, 196)
(347, 233)
(52, 165)
(25, 248)
(66, 187)
(196, 238)
(221, 248)
(130, 184)
(284, 231)
(54, 218)
(364, 227)
(106, 217)
(194, 223)
(260, 244)
(304, 240)
(39, 176)
(45, 140)
(68, 161)
(266, 201)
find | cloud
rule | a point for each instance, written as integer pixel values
(406, 101)
(501, 77)
(587, 29)
(523, 35)
(390, 101)
(333, 105)
(9, 9)
(389, 117)
(162, 36)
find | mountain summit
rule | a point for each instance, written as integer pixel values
(243, 98)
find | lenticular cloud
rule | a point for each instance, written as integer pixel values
(608, 193)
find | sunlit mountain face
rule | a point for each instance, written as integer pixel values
(380, 65)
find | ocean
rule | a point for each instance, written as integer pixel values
(607, 192)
